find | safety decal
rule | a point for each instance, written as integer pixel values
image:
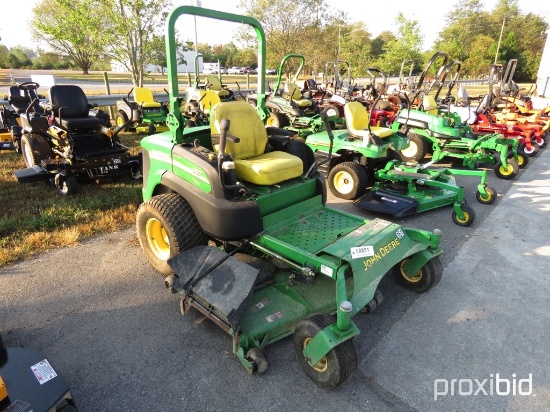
(43, 371)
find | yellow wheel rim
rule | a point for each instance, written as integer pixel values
(521, 160)
(119, 121)
(414, 279)
(157, 238)
(487, 197)
(466, 217)
(320, 366)
(343, 182)
(270, 121)
(506, 169)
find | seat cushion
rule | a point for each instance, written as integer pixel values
(269, 168)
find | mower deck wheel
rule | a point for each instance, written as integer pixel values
(347, 180)
(166, 225)
(529, 152)
(425, 279)
(508, 171)
(469, 216)
(489, 198)
(523, 158)
(337, 366)
(257, 357)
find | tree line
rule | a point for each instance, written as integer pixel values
(88, 35)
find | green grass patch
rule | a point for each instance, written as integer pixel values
(35, 217)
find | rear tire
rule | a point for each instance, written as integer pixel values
(34, 149)
(277, 119)
(347, 180)
(120, 119)
(417, 148)
(166, 226)
(337, 366)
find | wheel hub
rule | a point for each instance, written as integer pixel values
(157, 238)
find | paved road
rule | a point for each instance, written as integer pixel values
(105, 321)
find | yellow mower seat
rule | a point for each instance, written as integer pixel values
(430, 106)
(293, 91)
(209, 98)
(357, 122)
(252, 164)
(144, 97)
(214, 84)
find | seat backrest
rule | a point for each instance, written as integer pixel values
(213, 83)
(429, 105)
(71, 99)
(244, 124)
(357, 117)
(18, 100)
(293, 90)
(143, 95)
(209, 98)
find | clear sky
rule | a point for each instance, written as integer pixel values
(377, 16)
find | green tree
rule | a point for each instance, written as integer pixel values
(4, 53)
(72, 28)
(18, 58)
(406, 45)
(129, 32)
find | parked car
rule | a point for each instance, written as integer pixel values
(270, 71)
(248, 70)
(223, 70)
(235, 70)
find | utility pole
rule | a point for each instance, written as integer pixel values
(500, 39)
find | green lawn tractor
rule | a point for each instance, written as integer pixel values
(234, 218)
(201, 98)
(291, 110)
(350, 159)
(146, 115)
(443, 130)
(405, 188)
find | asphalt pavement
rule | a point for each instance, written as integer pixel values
(478, 341)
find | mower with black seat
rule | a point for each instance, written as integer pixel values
(65, 142)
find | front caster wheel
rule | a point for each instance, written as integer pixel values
(426, 278)
(488, 198)
(337, 366)
(66, 185)
(468, 219)
(257, 357)
(507, 171)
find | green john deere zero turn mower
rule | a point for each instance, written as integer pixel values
(427, 125)
(234, 217)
